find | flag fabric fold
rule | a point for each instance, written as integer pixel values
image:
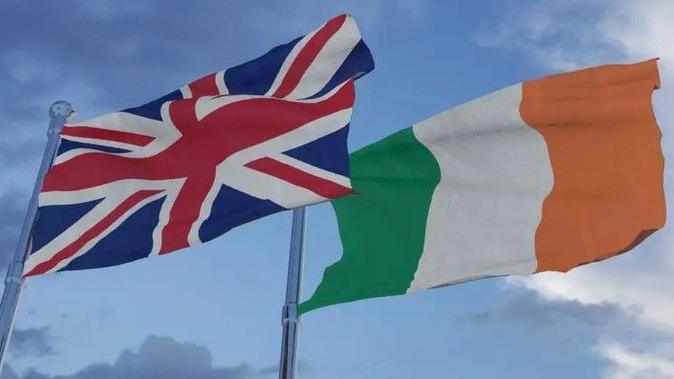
(233, 146)
(545, 175)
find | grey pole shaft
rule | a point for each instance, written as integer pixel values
(58, 113)
(287, 367)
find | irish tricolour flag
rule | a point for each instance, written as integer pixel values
(543, 175)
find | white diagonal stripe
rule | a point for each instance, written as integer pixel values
(328, 61)
(289, 61)
(306, 133)
(313, 170)
(266, 187)
(126, 122)
(62, 241)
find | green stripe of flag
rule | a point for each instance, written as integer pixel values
(382, 226)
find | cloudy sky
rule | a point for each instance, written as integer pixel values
(214, 310)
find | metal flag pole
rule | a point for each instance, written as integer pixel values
(287, 367)
(58, 113)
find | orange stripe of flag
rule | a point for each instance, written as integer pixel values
(604, 147)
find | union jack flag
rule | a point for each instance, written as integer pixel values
(236, 145)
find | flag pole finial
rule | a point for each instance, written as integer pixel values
(61, 108)
(59, 113)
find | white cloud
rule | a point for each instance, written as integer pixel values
(570, 34)
(627, 364)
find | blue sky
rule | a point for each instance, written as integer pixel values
(214, 310)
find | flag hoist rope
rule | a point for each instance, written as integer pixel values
(290, 317)
(58, 113)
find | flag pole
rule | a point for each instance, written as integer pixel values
(290, 317)
(58, 114)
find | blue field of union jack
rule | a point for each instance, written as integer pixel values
(236, 145)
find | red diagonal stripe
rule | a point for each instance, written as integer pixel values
(90, 234)
(106, 134)
(307, 55)
(205, 86)
(290, 174)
